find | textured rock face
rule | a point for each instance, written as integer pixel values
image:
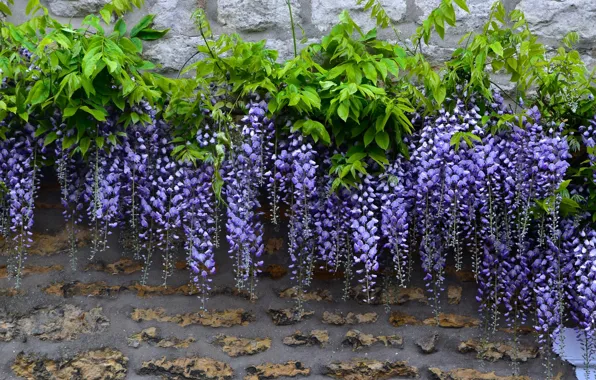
(256, 15)
(193, 368)
(75, 8)
(104, 364)
(274, 371)
(555, 18)
(226, 318)
(54, 324)
(269, 19)
(286, 317)
(365, 369)
(150, 336)
(234, 346)
(350, 319)
(499, 350)
(325, 13)
(314, 338)
(469, 374)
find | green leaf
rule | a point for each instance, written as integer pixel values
(369, 136)
(99, 115)
(120, 27)
(382, 140)
(462, 4)
(142, 24)
(151, 34)
(343, 111)
(84, 145)
(5, 9)
(497, 48)
(39, 93)
(50, 138)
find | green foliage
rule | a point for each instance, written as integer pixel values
(82, 72)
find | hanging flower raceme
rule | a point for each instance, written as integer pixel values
(302, 201)
(244, 226)
(102, 187)
(19, 168)
(199, 225)
(365, 232)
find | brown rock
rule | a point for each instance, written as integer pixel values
(496, 351)
(358, 340)
(351, 319)
(286, 317)
(454, 294)
(151, 291)
(519, 330)
(234, 346)
(273, 245)
(397, 319)
(10, 292)
(470, 374)
(226, 318)
(192, 368)
(150, 336)
(366, 369)
(104, 364)
(454, 321)
(76, 288)
(275, 271)
(315, 338)
(326, 274)
(46, 245)
(317, 295)
(274, 371)
(410, 294)
(461, 275)
(56, 324)
(32, 269)
(122, 266)
(428, 344)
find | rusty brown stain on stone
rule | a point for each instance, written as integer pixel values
(103, 364)
(235, 346)
(314, 338)
(273, 245)
(463, 275)
(286, 317)
(350, 319)
(122, 266)
(454, 321)
(225, 318)
(189, 368)
(66, 322)
(327, 274)
(366, 369)
(454, 294)
(32, 269)
(274, 271)
(76, 288)
(316, 295)
(469, 374)
(150, 336)
(519, 330)
(358, 340)
(398, 319)
(47, 245)
(11, 292)
(493, 351)
(274, 371)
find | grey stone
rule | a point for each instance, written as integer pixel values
(171, 53)
(428, 344)
(555, 18)
(176, 15)
(325, 13)
(75, 8)
(256, 15)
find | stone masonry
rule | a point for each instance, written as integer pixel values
(269, 19)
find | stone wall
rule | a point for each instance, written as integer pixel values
(269, 19)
